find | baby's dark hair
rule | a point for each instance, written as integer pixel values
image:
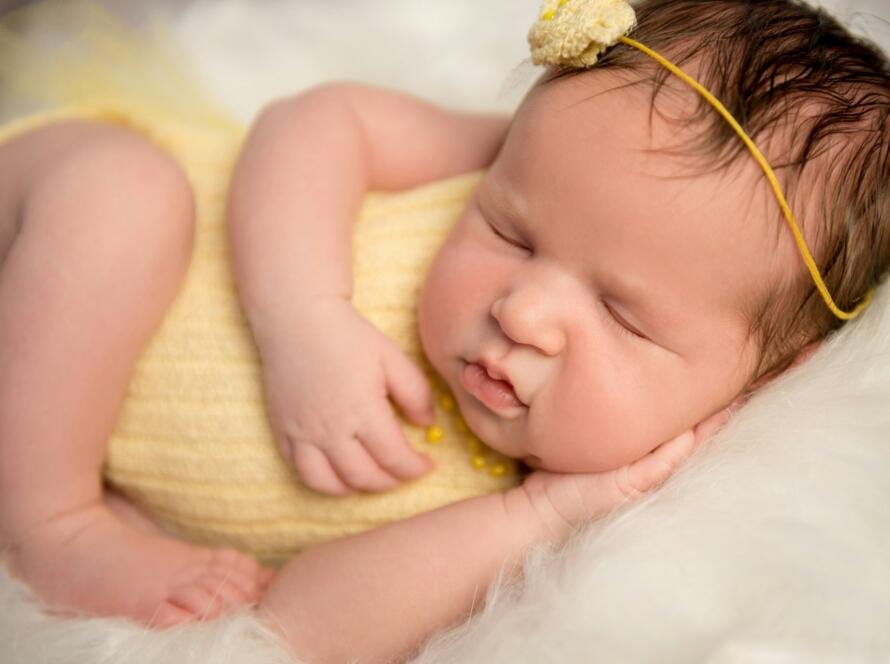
(783, 68)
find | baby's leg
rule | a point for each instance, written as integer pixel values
(96, 229)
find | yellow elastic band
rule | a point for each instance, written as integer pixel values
(768, 171)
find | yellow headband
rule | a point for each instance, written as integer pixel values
(574, 32)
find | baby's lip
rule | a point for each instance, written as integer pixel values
(494, 372)
(497, 373)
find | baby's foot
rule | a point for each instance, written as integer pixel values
(89, 561)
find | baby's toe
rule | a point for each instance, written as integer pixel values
(169, 615)
(235, 560)
(248, 588)
(266, 576)
(241, 571)
(230, 594)
(201, 601)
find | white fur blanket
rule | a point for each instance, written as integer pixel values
(771, 545)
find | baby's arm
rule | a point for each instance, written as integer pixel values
(376, 596)
(296, 190)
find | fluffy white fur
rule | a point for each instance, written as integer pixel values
(771, 545)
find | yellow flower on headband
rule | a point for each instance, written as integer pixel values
(574, 32)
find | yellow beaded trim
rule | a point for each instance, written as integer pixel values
(597, 10)
(481, 458)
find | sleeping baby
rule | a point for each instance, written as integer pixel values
(628, 271)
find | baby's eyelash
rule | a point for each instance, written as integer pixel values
(618, 321)
(505, 238)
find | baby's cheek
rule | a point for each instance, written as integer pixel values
(454, 286)
(440, 312)
(429, 328)
(595, 430)
(579, 449)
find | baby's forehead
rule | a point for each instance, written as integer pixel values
(562, 89)
(599, 123)
(587, 111)
(687, 131)
(673, 135)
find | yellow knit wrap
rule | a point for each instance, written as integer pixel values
(192, 444)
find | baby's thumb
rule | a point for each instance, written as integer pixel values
(408, 386)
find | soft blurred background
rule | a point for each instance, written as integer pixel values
(461, 53)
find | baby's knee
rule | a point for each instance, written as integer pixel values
(126, 170)
(118, 180)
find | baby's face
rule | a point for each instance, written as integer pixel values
(603, 279)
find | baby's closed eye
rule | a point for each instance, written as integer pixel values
(620, 322)
(505, 238)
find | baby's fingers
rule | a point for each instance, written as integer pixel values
(408, 385)
(654, 468)
(316, 471)
(355, 467)
(385, 441)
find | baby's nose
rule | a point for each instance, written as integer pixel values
(528, 316)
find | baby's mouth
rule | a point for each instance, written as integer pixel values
(497, 395)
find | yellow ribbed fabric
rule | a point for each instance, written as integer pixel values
(192, 444)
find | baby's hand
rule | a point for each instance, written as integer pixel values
(561, 502)
(327, 382)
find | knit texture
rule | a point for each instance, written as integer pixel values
(573, 33)
(192, 444)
